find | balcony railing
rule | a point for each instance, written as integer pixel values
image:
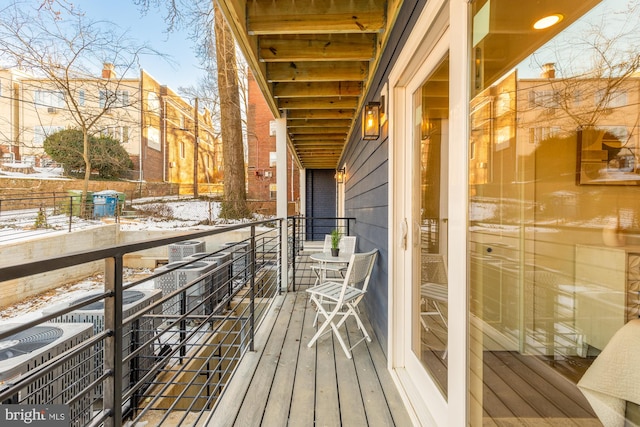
(111, 357)
(163, 347)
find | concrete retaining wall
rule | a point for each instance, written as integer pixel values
(94, 238)
(43, 247)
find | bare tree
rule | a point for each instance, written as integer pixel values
(61, 46)
(215, 46)
(235, 203)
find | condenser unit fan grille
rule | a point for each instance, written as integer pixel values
(27, 341)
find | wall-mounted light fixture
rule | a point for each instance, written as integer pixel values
(371, 121)
(340, 173)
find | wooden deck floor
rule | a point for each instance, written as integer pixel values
(284, 383)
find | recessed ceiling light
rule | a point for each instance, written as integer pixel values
(547, 21)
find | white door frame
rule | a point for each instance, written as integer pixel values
(427, 44)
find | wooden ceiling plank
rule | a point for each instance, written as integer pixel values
(319, 16)
(301, 123)
(316, 89)
(317, 47)
(297, 130)
(315, 137)
(317, 71)
(317, 103)
(320, 114)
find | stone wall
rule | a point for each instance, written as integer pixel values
(132, 189)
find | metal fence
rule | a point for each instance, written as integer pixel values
(23, 215)
(159, 349)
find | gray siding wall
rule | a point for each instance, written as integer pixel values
(367, 186)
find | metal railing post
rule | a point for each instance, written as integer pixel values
(112, 399)
(252, 289)
(70, 212)
(293, 253)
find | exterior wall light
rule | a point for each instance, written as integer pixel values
(340, 173)
(371, 121)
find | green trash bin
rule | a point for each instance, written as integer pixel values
(74, 203)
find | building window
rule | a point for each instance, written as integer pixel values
(273, 158)
(544, 98)
(40, 133)
(607, 98)
(153, 103)
(153, 138)
(119, 133)
(81, 97)
(118, 98)
(538, 134)
(182, 150)
(49, 98)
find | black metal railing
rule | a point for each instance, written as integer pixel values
(170, 355)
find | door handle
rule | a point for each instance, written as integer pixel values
(404, 230)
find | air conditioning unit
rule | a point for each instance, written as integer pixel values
(134, 335)
(52, 110)
(267, 174)
(220, 277)
(241, 260)
(178, 278)
(24, 351)
(177, 251)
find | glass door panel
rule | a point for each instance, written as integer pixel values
(554, 210)
(429, 223)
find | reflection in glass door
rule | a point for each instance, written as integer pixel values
(429, 222)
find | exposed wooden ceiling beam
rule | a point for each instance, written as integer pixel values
(317, 47)
(320, 114)
(314, 137)
(317, 103)
(316, 89)
(316, 17)
(294, 131)
(327, 123)
(317, 71)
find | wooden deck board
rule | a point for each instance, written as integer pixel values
(327, 406)
(252, 409)
(373, 397)
(227, 407)
(349, 386)
(277, 410)
(302, 411)
(284, 382)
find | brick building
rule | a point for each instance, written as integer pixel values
(261, 152)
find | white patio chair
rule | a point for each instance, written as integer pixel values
(336, 301)
(347, 246)
(433, 289)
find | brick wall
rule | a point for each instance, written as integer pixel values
(260, 175)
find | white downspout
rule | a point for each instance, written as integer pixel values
(281, 195)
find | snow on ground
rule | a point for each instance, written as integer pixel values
(26, 171)
(188, 214)
(31, 308)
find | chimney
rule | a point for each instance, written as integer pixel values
(548, 71)
(108, 71)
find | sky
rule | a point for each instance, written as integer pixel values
(183, 70)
